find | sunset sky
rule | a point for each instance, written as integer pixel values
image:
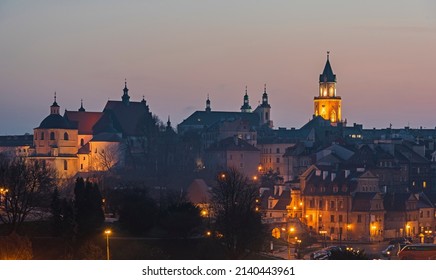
(176, 52)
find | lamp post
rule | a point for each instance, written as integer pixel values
(323, 232)
(107, 232)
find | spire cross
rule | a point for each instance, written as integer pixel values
(246, 90)
(55, 97)
(125, 82)
(264, 88)
(328, 54)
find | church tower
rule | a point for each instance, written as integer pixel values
(125, 98)
(246, 108)
(264, 110)
(327, 104)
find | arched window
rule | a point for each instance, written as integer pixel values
(42, 135)
(66, 137)
(65, 165)
(82, 142)
(52, 135)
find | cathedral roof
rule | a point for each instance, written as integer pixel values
(204, 119)
(83, 120)
(130, 119)
(56, 121)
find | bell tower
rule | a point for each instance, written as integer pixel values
(328, 104)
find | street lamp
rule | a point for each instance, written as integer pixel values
(323, 232)
(107, 232)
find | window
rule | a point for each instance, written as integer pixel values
(66, 137)
(278, 150)
(52, 135)
(340, 218)
(332, 218)
(421, 214)
(332, 204)
(332, 230)
(42, 135)
(311, 203)
(424, 184)
(278, 160)
(359, 218)
(320, 204)
(242, 156)
(81, 166)
(340, 204)
(65, 165)
(428, 213)
(82, 142)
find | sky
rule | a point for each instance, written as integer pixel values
(175, 53)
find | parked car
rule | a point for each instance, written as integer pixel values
(390, 251)
(326, 253)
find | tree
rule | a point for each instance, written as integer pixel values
(138, 211)
(27, 186)
(109, 157)
(89, 207)
(181, 219)
(233, 202)
(270, 179)
(56, 211)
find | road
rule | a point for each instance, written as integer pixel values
(371, 249)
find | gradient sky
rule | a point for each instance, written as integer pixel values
(176, 52)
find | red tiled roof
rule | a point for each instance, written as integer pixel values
(84, 120)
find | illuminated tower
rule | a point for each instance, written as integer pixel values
(327, 104)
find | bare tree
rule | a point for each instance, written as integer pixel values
(236, 220)
(26, 186)
(108, 158)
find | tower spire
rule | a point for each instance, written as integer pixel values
(208, 103)
(125, 98)
(246, 108)
(54, 108)
(81, 109)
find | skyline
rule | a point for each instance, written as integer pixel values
(175, 54)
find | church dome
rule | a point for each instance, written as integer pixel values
(55, 121)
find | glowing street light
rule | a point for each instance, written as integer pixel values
(107, 232)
